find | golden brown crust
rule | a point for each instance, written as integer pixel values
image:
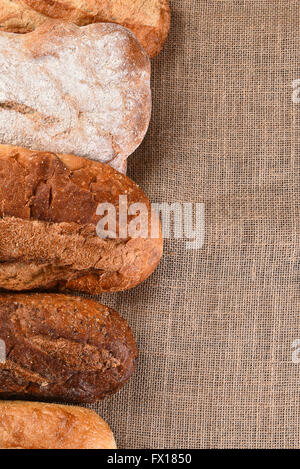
(32, 425)
(149, 21)
(48, 238)
(63, 348)
(16, 17)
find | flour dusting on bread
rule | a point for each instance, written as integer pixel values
(75, 90)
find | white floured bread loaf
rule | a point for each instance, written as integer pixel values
(75, 90)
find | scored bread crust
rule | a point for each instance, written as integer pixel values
(33, 425)
(66, 89)
(63, 348)
(48, 238)
(149, 21)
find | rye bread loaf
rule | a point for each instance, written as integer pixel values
(149, 21)
(48, 237)
(66, 89)
(32, 425)
(63, 348)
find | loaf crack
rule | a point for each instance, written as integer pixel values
(28, 111)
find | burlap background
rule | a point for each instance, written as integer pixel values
(215, 326)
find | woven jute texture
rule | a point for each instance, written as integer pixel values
(215, 326)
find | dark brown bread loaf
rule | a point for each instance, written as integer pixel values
(33, 425)
(48, 221)
(63, 348)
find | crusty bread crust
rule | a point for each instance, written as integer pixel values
(149, 21)
(32, 425)
(48, 238)
(66, 89)
(63, 348)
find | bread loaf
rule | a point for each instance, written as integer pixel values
(66, 89)
(31, 425)
(48, 221)
(149, 21)
(63, 348)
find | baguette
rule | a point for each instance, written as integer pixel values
(48, 225)
(32, 425)
(84, 91)
(63, 348)
(149, 21)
